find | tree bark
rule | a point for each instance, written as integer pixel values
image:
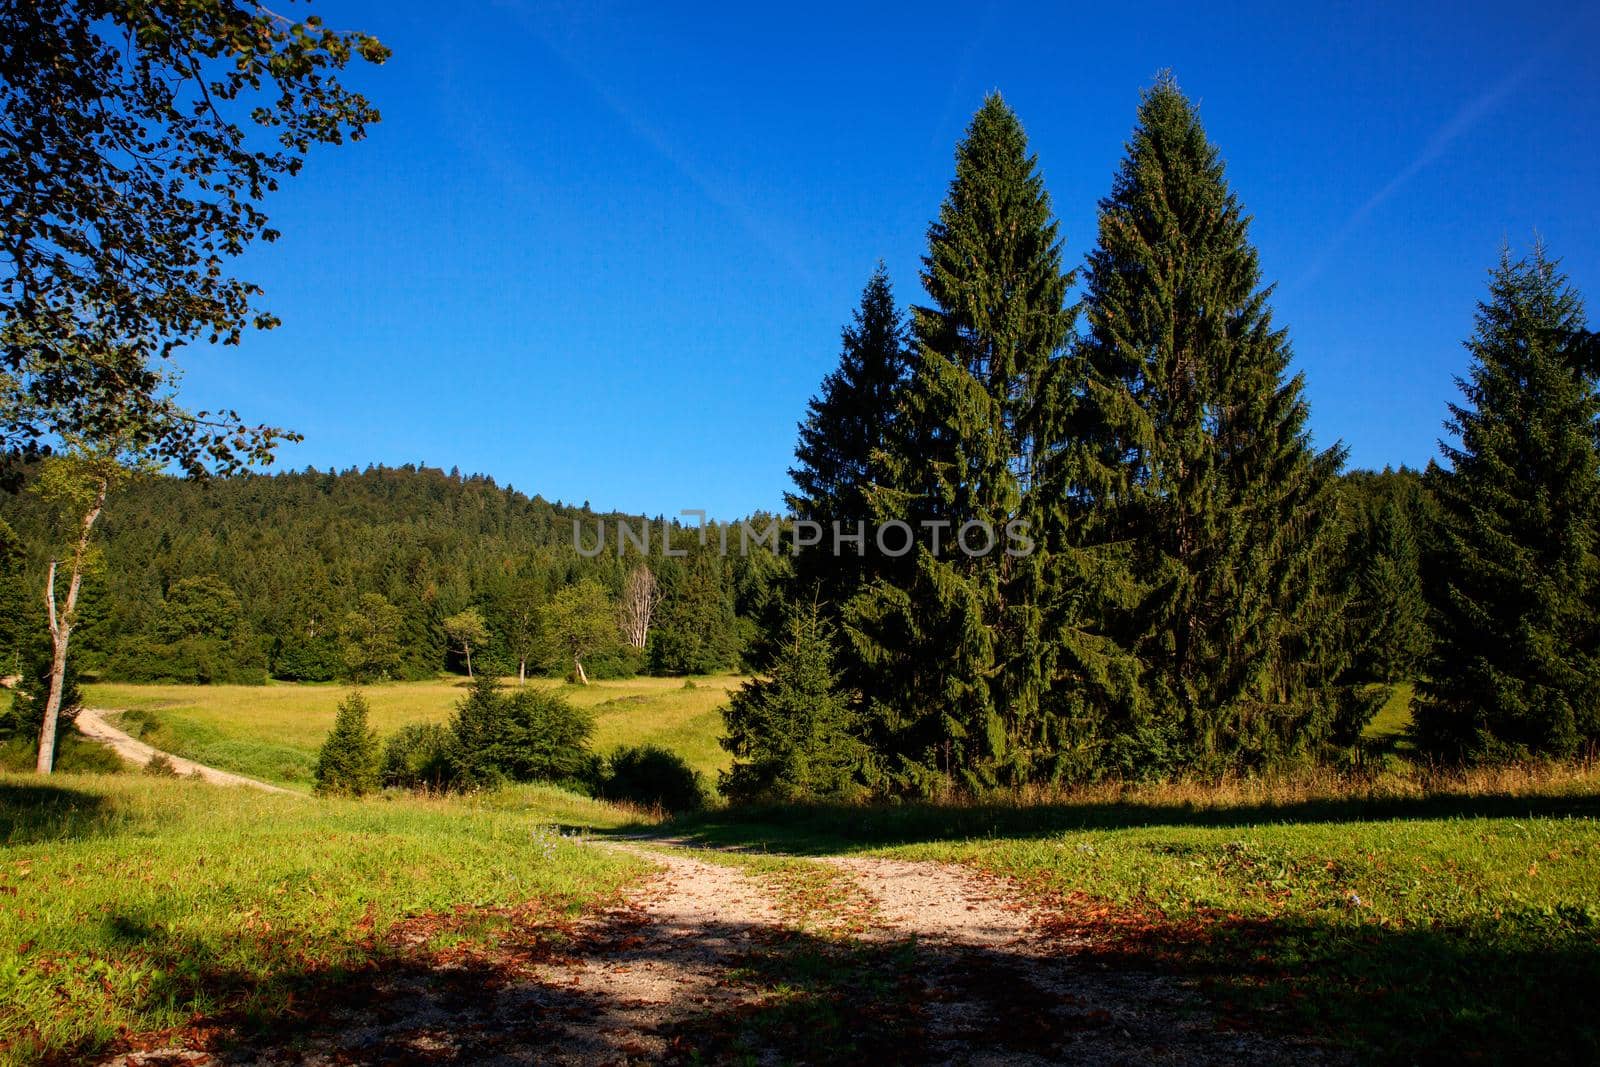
(522, 670)
(61, 623)
(583, 679)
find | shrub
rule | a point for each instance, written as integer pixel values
(417, 757)
(348, 762)
(522, 736)
(160, 766)
(307, 659)
(652, 777)
(199, 660)
(612, 664)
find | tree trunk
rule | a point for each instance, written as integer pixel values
(59, 634)
(61, 623)
(583, 679)
(522, 670)
(468, 652)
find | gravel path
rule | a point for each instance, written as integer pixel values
(91, 723)
(699, 964)
(1003, 991)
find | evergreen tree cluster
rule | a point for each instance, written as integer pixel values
(1206, 591)
(383, 573)
(496, 736)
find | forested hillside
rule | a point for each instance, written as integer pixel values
(234, 579)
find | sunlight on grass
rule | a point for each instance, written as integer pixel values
(273, 732)
(135, 902)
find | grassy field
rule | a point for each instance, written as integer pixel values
(1411, 919)
(273, 732)
(132, 904)
(1388, 727)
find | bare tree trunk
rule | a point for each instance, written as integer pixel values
(639, 600)
(583, 678)
(522, 670)
(61, 623)
(468, 650)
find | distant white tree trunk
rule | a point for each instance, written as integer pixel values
(639, 600)
(583, 679)
(62, 618)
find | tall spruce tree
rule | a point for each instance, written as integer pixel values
(1202, 467)
(951, 639)
(840, 452)
(1516, 666)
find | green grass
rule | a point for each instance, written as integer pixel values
(1388, 727)
(134, 904)
(1402, 918)
(273, 732)
(75, 754)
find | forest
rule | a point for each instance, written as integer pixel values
(238, 579)
(1203, 591)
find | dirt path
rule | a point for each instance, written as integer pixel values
(707, 961)
(1003, 990)
(92, 724)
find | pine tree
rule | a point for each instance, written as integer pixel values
(839, 455)
(793, 733)
(1516, 667)
(952, 639)
(1201, 466)
(1390, 608)
(347, 765)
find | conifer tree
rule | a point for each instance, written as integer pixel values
(793, 733)
(1201, 465)
(1516, 666)
(348, 762)
(952, 639)
(1390, 608)
(840, 453)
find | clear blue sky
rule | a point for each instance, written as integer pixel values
(603, 252)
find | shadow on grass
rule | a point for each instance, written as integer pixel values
(1416, 995)
(734, 993)
(32, 812)
(1121, 990)
(824, 829)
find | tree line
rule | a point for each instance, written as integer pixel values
(382, 573)
(1208, 591)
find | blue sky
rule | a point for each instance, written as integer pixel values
(603, 252)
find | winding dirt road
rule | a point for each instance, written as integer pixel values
(91, 722)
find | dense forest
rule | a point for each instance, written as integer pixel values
(235, 579)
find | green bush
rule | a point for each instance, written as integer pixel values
(525, 735)
(652, 777)
(417, 757)
(613, 664)
(307, 659)
(189, 661)
(348, 762)
(160, 766)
